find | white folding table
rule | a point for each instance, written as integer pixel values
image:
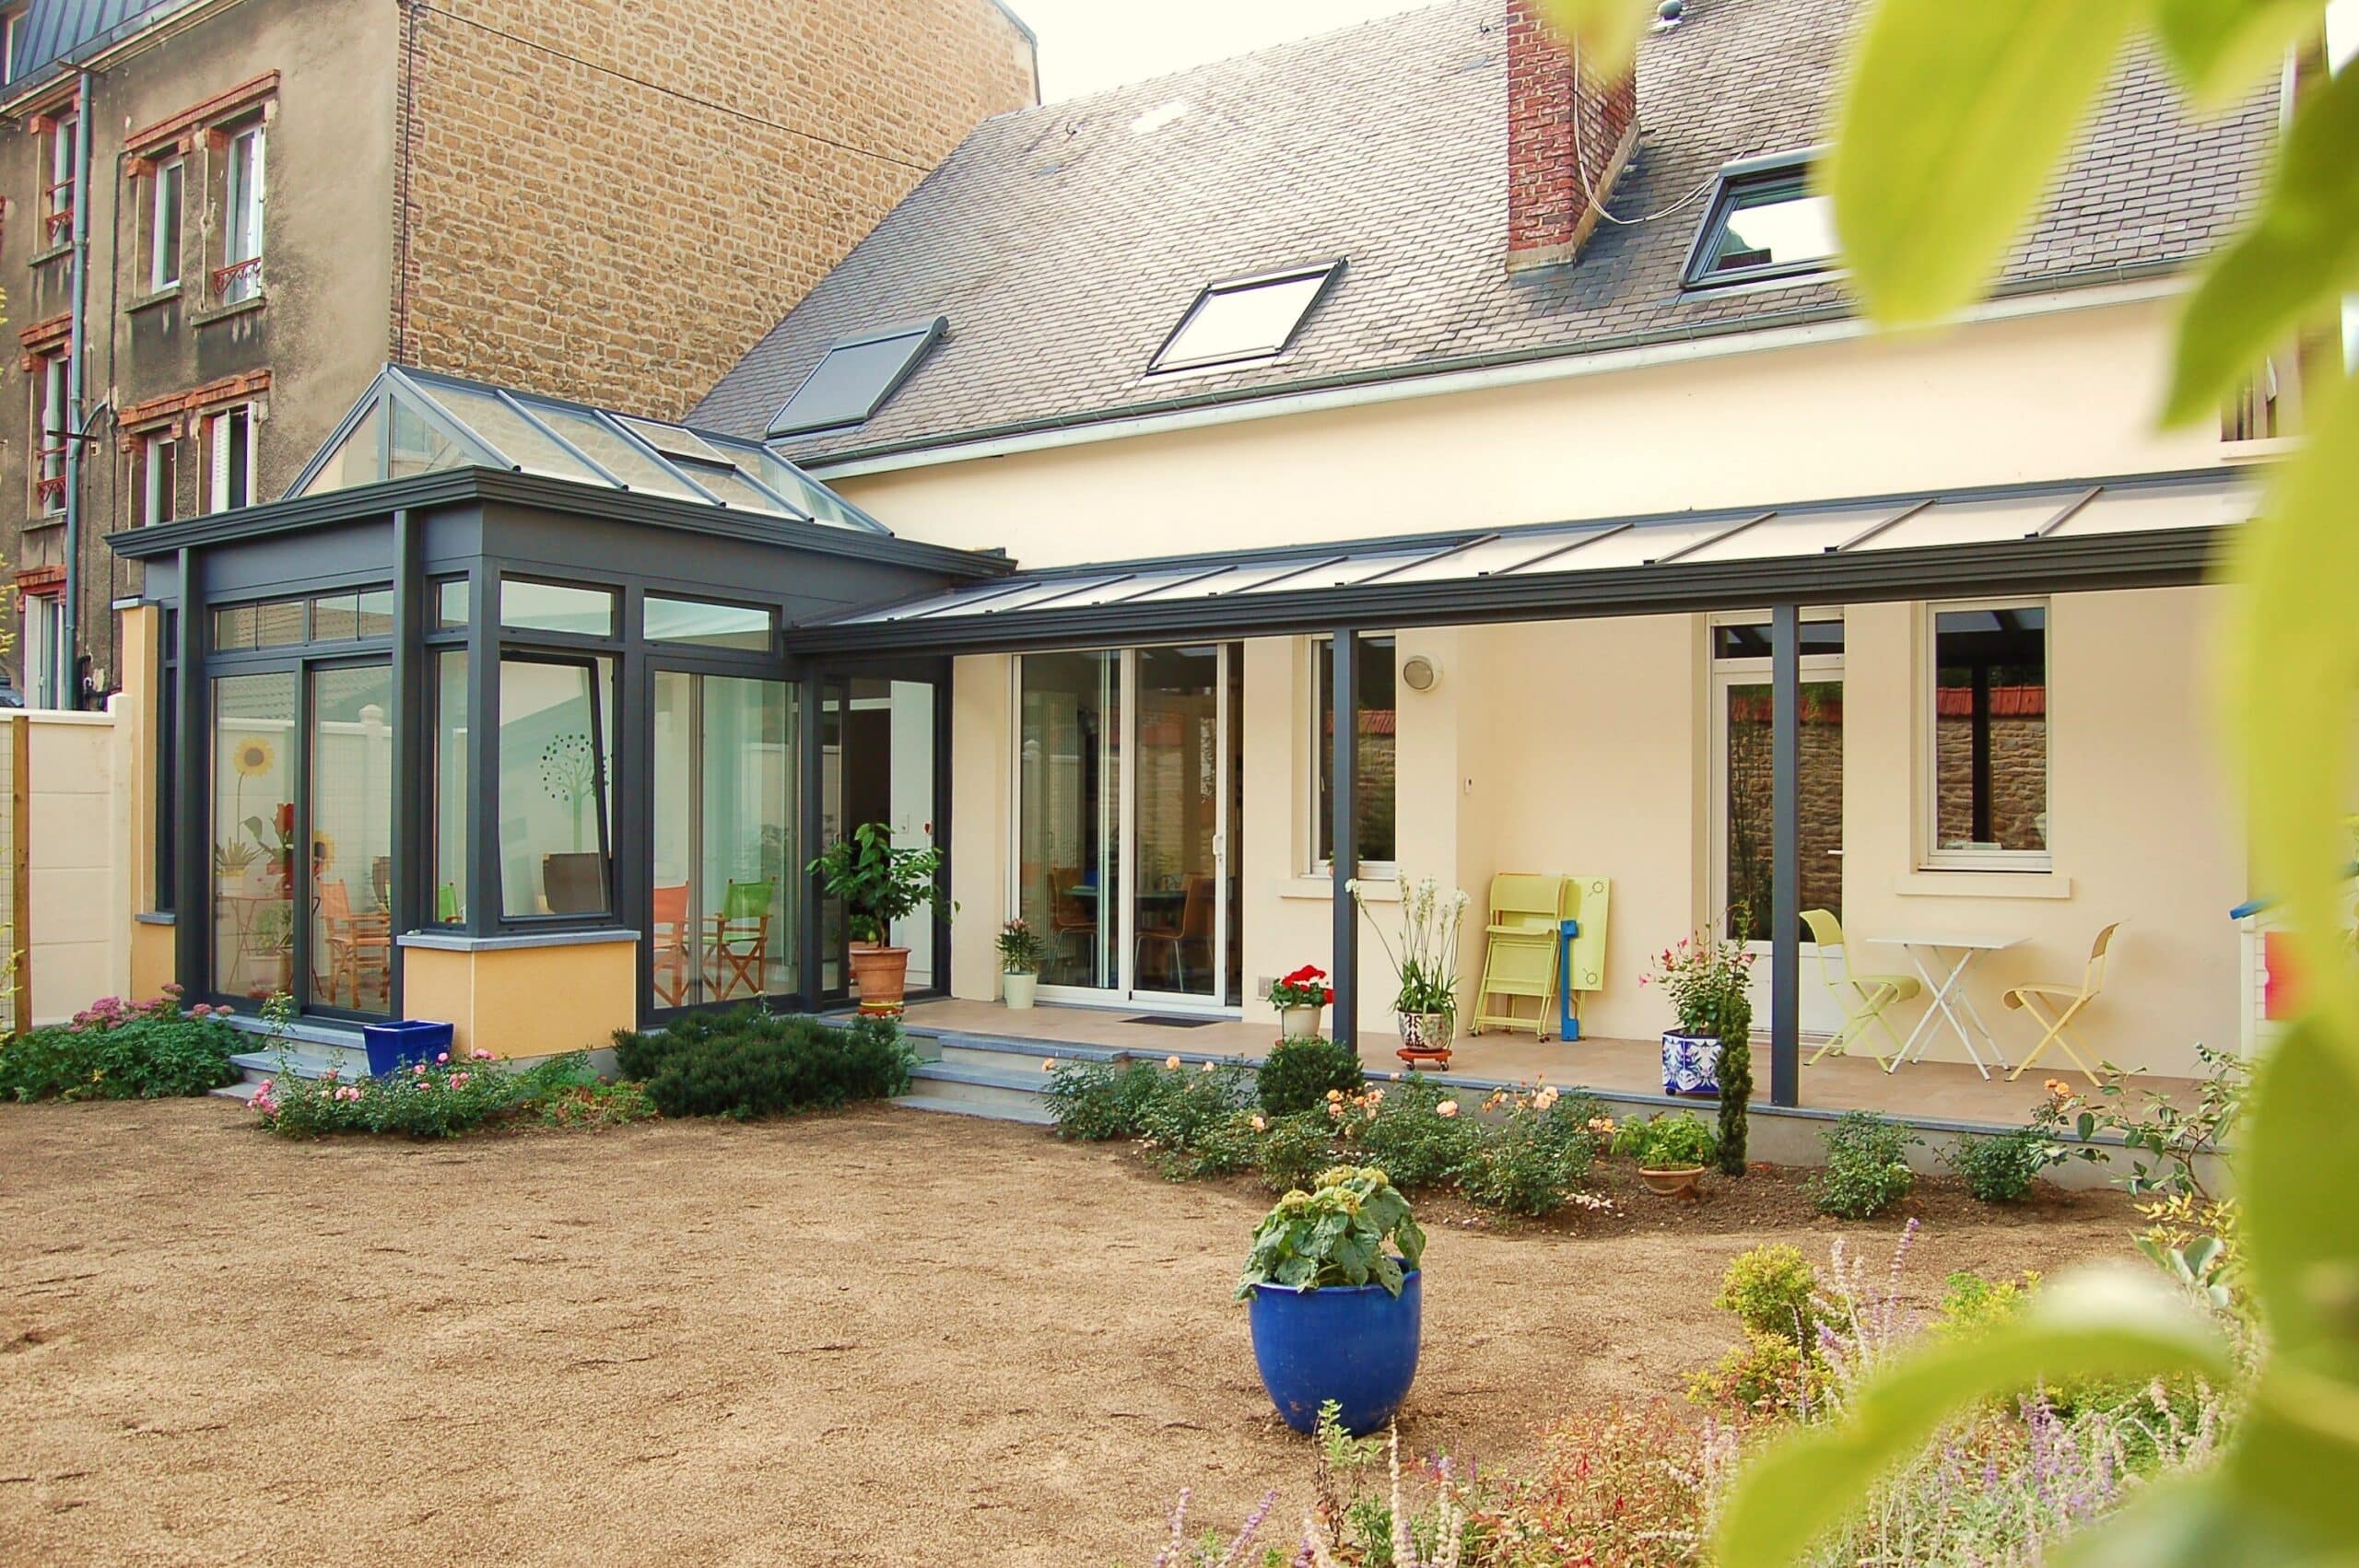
(1928, 952)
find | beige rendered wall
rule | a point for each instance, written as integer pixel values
(526, 1002)
(80, 832)
(2057, 396)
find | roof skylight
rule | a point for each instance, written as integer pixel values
(1765, 223)
(1251, 317)
(853, 380)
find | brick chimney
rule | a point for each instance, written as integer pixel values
(1549, 165)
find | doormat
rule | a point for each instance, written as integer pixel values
(1166, 1021)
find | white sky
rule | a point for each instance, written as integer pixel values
(1089, 44)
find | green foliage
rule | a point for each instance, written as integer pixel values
(1772, 1290)
(1193, 1119)
(1290, 1150)
(1530, 1161)
(2178, 1139)
(1406, 1133)
(2000, 1167)
(1296, 1075)
(878, 882)
(1766, 1375)
(445, 1098)
(1336, 1235)
(1736, 1087)
(118, 1051)
(1867, 1167)
(749, 1063)
(1095, 1101)
(1666, 1142)
(1021, 950)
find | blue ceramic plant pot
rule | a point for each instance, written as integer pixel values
(394, 1046)
(1354, 1344)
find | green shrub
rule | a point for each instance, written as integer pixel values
(1093, 1101)
(750, 1063)
(1296, 1075)
(1194, 1118)
(1406, 1133)
(1334, 1234)
(1867, 1167)
(1667, 1142)
(1528, 1162)
(1290, 1150)
(1772, 1290)
(1999, 1168)
(444, 1098)
(119, 1050)
(1766, 1373)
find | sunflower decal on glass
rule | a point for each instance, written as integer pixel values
(253, 757)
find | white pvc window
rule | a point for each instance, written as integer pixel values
(50, 489)
(164, 226)
(230, 435)
(60, 179)
(159, 480)
(1985, 745)
(241, 241)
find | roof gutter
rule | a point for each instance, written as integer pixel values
(1793, 329)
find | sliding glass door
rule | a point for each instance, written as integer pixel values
(724, 890)
(1125, 821)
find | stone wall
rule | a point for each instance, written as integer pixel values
(612, 201)
(2018, 779)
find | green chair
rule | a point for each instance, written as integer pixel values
(740, 948)
(1863, 997)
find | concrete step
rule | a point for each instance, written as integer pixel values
(1006, 1089)
(1034, 1115)
(305, 1062)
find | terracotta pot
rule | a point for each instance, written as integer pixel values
(881, 976)
(1672, 1181)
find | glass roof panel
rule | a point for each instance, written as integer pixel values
(419, 446)
(1339, 573)
(356, 462)
(672, 440)
(1226, 580)
(1632, 546)
(1802, 531)
(512, 435)
(1985, 522)
(2144, 508)
(727, 484)
(991, 600)
(610, 450)
(822, 504)
(1503, 554)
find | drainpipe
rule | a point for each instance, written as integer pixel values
(76, 428)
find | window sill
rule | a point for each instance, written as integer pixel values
(155, 917)
(229, 313)
(44, 519)
(1984, 884)
(54, 253)
(453, 941)
(2264, 449)
(165, 296)
(1376, 888)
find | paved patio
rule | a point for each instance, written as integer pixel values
(1932, 1091)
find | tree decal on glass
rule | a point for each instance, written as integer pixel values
(569, 773)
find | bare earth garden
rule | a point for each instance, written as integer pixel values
(879, 1337)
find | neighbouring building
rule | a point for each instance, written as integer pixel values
(259, 203)
(1386, 456)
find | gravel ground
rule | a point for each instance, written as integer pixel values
(880, 1337)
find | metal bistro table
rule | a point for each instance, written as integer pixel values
(1927, 952)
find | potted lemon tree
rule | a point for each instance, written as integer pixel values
(879, 884)
(1336, 1316)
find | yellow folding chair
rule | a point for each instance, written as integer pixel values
(1519, 952)
(2053, 1007)
(1863, 997)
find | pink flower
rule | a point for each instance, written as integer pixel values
(480, 1054)
(459, 1080)
(442, 1057)
(420, 1070)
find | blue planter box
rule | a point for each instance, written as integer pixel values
(1354, 1344)
(392, 1047)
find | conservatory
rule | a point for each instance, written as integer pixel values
(490, 720)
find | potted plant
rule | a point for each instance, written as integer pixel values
(233, 858)
(1300, 998)
(1019, 963)
(1671, 1151)
(1706, 979)
(1334, 1316)
(1426, 965)
(879, 884)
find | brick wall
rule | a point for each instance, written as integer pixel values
(611, 200)
(1567, 136)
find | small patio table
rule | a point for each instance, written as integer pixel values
(1927, 952)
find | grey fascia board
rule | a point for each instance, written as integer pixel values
(2162, 558)
(454, 486)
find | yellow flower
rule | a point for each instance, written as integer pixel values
(1446, 1108)
(1335, 1093)
(1048, 1064)
(1260, 1125)
(1208, 1067)
(252, 758)
(1172, 1061)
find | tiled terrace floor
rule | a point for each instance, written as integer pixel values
(1934, 1090)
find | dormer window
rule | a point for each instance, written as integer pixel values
(853, 379)
(1244, 320)
(1765, 222)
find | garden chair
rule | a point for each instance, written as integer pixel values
(574, 882)
(1865, 998)
(446, 904)
(1193, 932)
(741, 938)
(1519, 952)
(2053, 1007)
(1073, 920)
(672, 967)
(360, 947)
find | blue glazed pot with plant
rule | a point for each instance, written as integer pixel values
(1335, 1315)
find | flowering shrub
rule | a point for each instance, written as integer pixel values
(1297, 1075)
(1619, 1485)
(1290, 1150)
(1529, 1161)
(1095, 1101)
(1307, 987)
(1705, 978)
(2001, 1168)
(1412, 1129)
(115, 1050)
(443, 1098)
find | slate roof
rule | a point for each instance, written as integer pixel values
(1063, 243)
(57, 32)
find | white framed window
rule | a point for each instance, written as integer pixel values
(1375, 753)
(45, 660)
(1985, 745)
(230, 453)
(59, 205)
(49, 421)
(239, 276)
(1244, 319)
(159, 480)
(1765, 222)
(12, 42)
(164, 226)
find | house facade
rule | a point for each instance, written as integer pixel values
(1386, 457)
(253, 205)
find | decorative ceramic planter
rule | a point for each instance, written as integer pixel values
(1354, 1344)
(1426, 1036)
(1017, 988)
(1298, 1023)
(1671, 1181)
(881, 976)
(1691, 1064)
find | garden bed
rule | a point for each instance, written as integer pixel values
(867, 1338)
